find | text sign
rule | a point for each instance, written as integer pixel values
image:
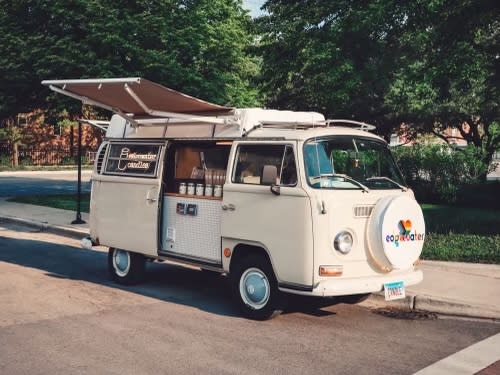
(133, 160)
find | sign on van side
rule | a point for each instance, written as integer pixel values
(133, 159)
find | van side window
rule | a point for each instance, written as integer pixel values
(251, 159)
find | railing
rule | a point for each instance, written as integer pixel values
(46, 155)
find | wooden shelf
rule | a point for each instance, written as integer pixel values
(193, 196)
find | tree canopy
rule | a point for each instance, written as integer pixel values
(195, 46)
(427, 63)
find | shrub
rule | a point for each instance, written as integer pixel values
(462, 248)
(5, 161)
(436, 173)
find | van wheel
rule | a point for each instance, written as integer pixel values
(125, 267)
(255, 288)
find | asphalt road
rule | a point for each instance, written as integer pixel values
(60, 314)
(42, 183)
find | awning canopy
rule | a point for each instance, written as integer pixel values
(135, 96)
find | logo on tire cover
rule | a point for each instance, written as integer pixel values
(404, 233)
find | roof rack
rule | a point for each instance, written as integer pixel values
(302, 125)
(291, 124)
(352, 123)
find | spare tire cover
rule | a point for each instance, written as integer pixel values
(396, 232)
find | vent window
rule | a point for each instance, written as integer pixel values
(100, 158)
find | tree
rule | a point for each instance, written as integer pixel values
(449, 71)
(429, 64)
(12, 135)
(195, 46)
(335, 57)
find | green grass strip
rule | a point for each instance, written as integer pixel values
(62, 201)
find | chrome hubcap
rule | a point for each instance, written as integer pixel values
(121, 262)
(254, 288)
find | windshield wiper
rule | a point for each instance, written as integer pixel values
(403, 188)
(345, 177)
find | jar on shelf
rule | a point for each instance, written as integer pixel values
(199, 189)
(182, 188)
(209, 190)
(218, 191)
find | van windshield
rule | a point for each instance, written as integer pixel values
(348, 162)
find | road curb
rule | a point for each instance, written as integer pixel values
(432, 304)
(46, 227)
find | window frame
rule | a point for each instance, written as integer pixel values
(284, 145)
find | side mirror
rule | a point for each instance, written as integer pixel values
(270, 177)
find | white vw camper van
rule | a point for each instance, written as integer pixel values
(280, 201)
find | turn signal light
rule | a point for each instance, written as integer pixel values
(330, 270)
(227, 252)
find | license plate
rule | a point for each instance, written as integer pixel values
(394, 290)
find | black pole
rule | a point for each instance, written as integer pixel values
(78, 219)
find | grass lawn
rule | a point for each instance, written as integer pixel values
(453, 233)
(64, 201)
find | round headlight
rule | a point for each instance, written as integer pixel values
(343, 242)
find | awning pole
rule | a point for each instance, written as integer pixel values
(78, 219)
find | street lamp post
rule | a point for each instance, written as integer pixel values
(78, 219)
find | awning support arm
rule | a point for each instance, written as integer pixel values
(103, 125)
(88, 101)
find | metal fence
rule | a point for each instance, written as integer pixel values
(46, 155)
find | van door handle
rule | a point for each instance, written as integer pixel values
(230, 207)
(152, 195)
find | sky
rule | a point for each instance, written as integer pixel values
(253, 6)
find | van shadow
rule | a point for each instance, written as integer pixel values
(164, 281)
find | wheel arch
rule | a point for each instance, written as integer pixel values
(242, 250)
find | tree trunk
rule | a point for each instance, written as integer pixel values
(15, 155)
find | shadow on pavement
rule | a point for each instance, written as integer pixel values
(167, 282)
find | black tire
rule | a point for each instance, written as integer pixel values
(125, 267)
(261, 300)
(352, 299)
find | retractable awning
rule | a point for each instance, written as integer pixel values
(137, 97)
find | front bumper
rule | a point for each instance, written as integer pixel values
(358, 285)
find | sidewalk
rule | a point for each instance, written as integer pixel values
(46, 218)
(464, 289)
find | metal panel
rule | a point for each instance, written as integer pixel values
(197, 236)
